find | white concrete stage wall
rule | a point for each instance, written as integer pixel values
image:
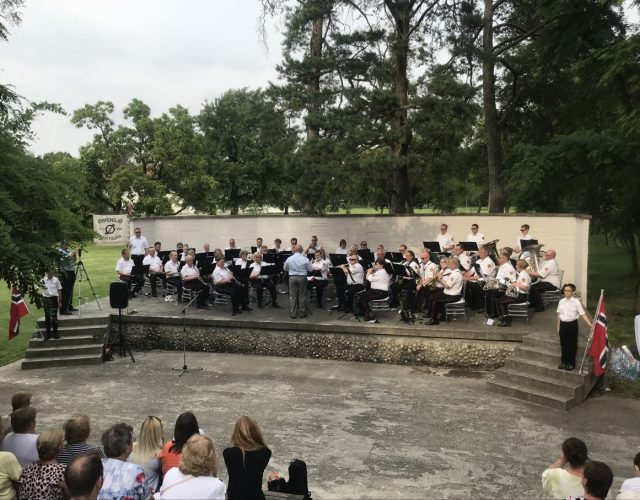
(568, 234)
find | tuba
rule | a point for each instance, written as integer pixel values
(492, 249)
(531, 254)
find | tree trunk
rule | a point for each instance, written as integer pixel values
(313, 83)
(494, 149)
(400, 194)
(633, 252)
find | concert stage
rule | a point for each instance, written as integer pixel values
(152, 323)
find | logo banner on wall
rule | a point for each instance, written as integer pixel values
(111, 229)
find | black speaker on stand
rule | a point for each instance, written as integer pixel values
(119, 299)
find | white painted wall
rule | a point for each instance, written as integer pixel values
(567, 234)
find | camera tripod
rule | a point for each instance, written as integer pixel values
(81, 274)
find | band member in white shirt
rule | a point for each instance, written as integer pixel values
(319, 282)
(314, 246)
(475, 236)
(549, 280)
(445, 239)
(407, 283)
(452, 282)
(242, 260)
(226, 283)
(172, 273)
(506, 273)
(260, 282)
(465, 261)
(522, 284)
(428, 272)
(52, 300)
(524, 235)
(138, 245)
(191, 279)
(379, 279)
(294, 244)
(354, 284)
(258, 243)
(342, 248)
(124, 268)
(569, 310)
(483, 267)
(232, 244)
(277, 245)
(155, 269)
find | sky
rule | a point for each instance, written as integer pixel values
(76, 52)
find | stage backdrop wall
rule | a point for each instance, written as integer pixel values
(568, 234)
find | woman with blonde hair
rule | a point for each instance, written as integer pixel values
(246, 460)
(146, 449)
(42, 479)
(196, 476)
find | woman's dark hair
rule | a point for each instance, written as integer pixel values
(575, 451)
(636, 460)
(186, 426)
(598, 477)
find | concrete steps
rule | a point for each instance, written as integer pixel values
(80, 343)
(532, 374)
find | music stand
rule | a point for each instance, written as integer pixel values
(366, 254)
(311, 256)
(469, 246)
(164, 256)
(393, 256)
(269, 258)
(433, 246)
(527, 243)
(254, 249)
(140, 271)
(337, 259)
(184, 368)
(231, 253)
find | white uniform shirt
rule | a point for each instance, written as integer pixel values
(321, 265)
(570, 309)
(257, 268)
(487, 267)
(477, 238)
(379, 280)
(507, 271)
(171, 268)
(124, 266)
(428, 270)
(445, 240)
(453, 283)
(524, 280)
(221, 274)
(154, 263)
(243, 263)
(550, 272)
(342, 251)
(51, 286)
(465, 262)
(311, 249)
(188, 271)
(138, 245)
(357, 272)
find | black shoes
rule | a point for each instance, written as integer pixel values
(246, 308)
(66, 313)
(56, 336)
(72, 309)
(570, 367)
(275, 305)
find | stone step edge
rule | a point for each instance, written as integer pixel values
(541, 394)
(567, 384)
(55, 348)
(71, 357)
(552, 366)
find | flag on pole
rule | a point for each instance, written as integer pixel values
(600, 344)
(18, 309)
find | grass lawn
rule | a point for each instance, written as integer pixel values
(100, 263)
(608, 270)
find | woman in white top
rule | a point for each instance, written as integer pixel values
(146, 449)
(569, 310)
(563, 478)
(195, 477)
(630, 488)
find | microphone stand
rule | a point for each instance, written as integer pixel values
(184, 368)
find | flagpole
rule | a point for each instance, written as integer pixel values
(593, 327)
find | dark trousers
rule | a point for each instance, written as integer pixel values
(236, 291)
(502, 303)
(568, 341)
(491, 299)
(50, 305)
(319, 286)
(153, 278)
(437, 301)
(535, 295)
(419, 298)
(134, 282)
(475, 295)
(67, 280)
(177, 282)
(260, 285)
(368, 296)
(346, 294)
(200, 287)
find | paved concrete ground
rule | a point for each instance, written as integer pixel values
(365, 430)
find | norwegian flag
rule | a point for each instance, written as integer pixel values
(18, 309)
(599, 349)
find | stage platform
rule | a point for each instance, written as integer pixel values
(152, 323)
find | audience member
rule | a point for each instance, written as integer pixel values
(196, 476)
(630, 488)
(563, 478)
(42, 479)
(18, 400)
(186, 426)
(147, 448)
(83, 476)
(76, 433)
(246, 460)
(10, 471)
(22, 441)
(121, 479)
(597, 480)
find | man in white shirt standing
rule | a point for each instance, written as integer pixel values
(155, 269)
(138, 245)
(524, 235)
(52, 300)
(445, 239)
(475, 236)
(550, 280)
